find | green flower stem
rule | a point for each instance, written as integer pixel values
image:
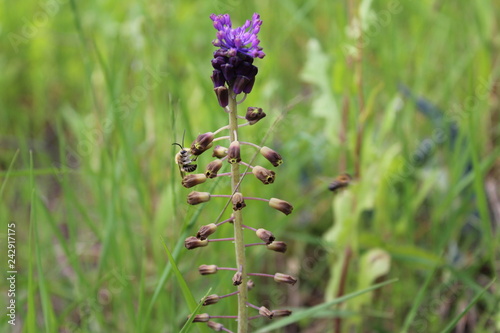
(238, 221)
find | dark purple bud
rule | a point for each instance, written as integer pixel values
(240, 83)
(218, 61)
(228, 71)
(254, 114)
(222, 96)
(212, 168)
(218, 78)
(220, 53)
(264, 175)
(235, 61)
(248, 88)
(233, 153)
(202, 143)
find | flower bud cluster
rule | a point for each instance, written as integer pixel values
(234, 73)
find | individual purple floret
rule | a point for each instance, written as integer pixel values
(233, 61)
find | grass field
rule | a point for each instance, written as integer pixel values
(402, 95)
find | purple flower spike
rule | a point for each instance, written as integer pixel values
(233, 61)
(240, 40)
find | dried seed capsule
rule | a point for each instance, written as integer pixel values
(211, 299)
(281, 313)
(222, 96)
(195, 197)
(212, 168)
(207, 269)
(202, 143)
(254, 114)
(271, 156)
(233, 153)
(219, 152)
(206, 231)
(281, 205)
(201, 318)
(250, 284)
(277, 246)
(264, 175)
(238, 201)
(215, 326)
(193, 180)
(193, 242)
(265, 235)
(263, 311)
(237, 279)
(284, 278)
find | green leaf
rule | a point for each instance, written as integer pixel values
(311, 312)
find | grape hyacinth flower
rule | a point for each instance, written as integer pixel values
(233, 61)
(234, 73)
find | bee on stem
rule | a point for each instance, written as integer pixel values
(341, 181)
(184, 159)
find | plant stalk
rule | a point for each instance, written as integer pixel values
(239, 243)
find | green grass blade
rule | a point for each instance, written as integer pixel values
(188, 323)
(31, 313)
(416, 303)
(9, 170)
(186, 291)
(455, 320)
(303, 314)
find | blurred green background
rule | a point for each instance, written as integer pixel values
(402, 95)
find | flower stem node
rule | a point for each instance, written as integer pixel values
(219, 152)
(193, 242)
(213, 168)
(233, 153)
(206, 231)
(202, 143)
(271, 156)
(254, 114)
(281, 205)
(237, 279)
(211, 299)
(264, 175)
(284, 278)
(201, 318)
(277, 246)
(263, 311)
(192, 180)
(215, 326)
(207, 269)
(265, 235)
(195, 197)
(222, 96)
(238, 201)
